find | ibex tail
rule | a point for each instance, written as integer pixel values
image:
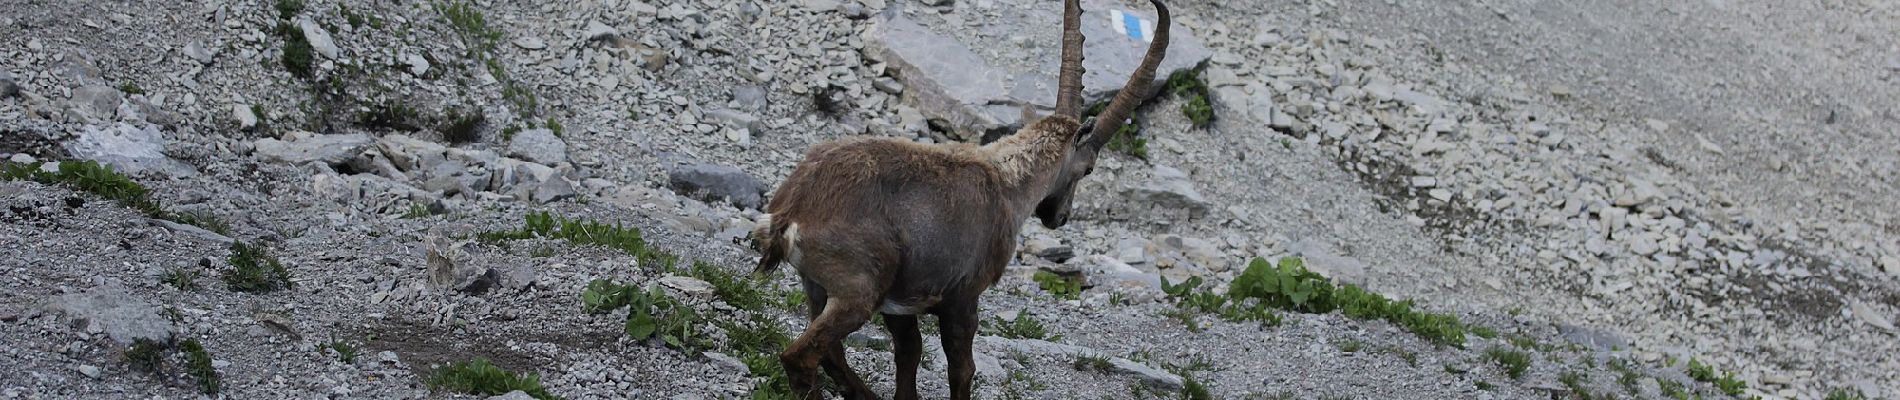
(766, 238)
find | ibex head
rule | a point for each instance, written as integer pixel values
(1053, 210)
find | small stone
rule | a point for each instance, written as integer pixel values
(388, 357)
(1424, 181)
(1561, 92)
(514, 395)
(688, 285)
(418, 64)
(600, 31)
(89, 371)
(1440, 194)
(198, 52)
(320, 39)
(245, 118)
(889, 85)
(538, 145)
(1891, 264)
(530, 43)
(749, 97)
(22, 158)
(1867, 314)
(97, 101)
(1048, 248)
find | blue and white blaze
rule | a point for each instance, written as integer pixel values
(1135, 27)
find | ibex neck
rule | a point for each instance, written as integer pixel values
(1028, 160)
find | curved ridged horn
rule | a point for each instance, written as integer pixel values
(1069, 82)
(1112, 118)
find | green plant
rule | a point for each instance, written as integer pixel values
(392, 115)
(208, 222)
(1514, 362)
(548, 226)
(345, 351)
(791, 300)
(417, 211)
(740, 292)
(1672, 389)
(182, 278)
(254, 270)
(198, 365)
(1198, 110)
(756, 344)
(146, 355)
(1128, 140)
(1349, 345)
(1286, 286)
(1482, 385)
(287, 9)
(1188, 318)
(90, 177)
(653, 314)
(1726, 382)
(131, 88)
(1482, 331)
(297, 57)
(1193, 389)
(479, 377)
(555, 126)
(1095, 363)
(1060, 286)
(1627, 377)
(1410, 357)
(463, 128)
(1845, 394)
(263, 119)
(1021, 327)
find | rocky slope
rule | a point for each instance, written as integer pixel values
(392, 158)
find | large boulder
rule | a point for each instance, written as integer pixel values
(128, 148)
(115, 312)
(1169, 189)
(305, 147)
(708, 182)
(538, 145)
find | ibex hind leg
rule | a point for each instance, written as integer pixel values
(836, 313)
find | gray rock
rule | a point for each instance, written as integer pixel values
(709, 182)
(116, 312)
(89, 371)
(193, 231)
(451, 268)
(946, 79)
(1169, 189)
(888, 85)
(411, 154)
(319, 38)
(8, 88)
(1048, 249)
(820, 5)
(553, 190)
(514, 395)
(97, 101)
(77, 67)
(418, 65)
(1595, 339)
(306, 147)
(127, 148)
(600, 31)
(749, 97)
(723, 360)
(736, 119)
(531, 43)
(538, 145)
(197, 51)
(688, 285)
(246, 119)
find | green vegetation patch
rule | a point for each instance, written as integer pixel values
(1021, 327)
(1063, 287)
(547, 226)
(254, 270)
(1514, 362)
(479, 377)
(651, 313)
(1726, 381)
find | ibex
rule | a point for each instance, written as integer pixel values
(902, 228)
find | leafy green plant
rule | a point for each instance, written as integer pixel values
(131, 88)
(90, 177)
(254, 270)
(1726, 382)
(1482, 385)
(1672, 389)
(287, 9)
(481, 378)
(548, 226)
(1060, 286)
(298, 57)
(1288, 285)
(1021, 327)
(740, 292)
(1198, 111)
(146, 355)
(1845, 394)
(603, 295)
(1191, 298)
(345, 351)
(1128, 140)
(757, 344)
(653, 314)
(1514, 362)
(181, 278)
(198, 365)
(1188, 84)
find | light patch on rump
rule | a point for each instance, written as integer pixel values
(792, 255)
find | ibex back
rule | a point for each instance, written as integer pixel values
(901, 228)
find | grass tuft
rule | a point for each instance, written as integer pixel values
(1514, 362)
(254, 270)
(1022, 327)
(198, 365)
(182, 278)
(1726, 382)
(287, 9)
(479, 377)
(548, 226)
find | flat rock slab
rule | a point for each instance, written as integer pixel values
(304, 147)
(128, 148)
(974, 69)
(115, 312)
